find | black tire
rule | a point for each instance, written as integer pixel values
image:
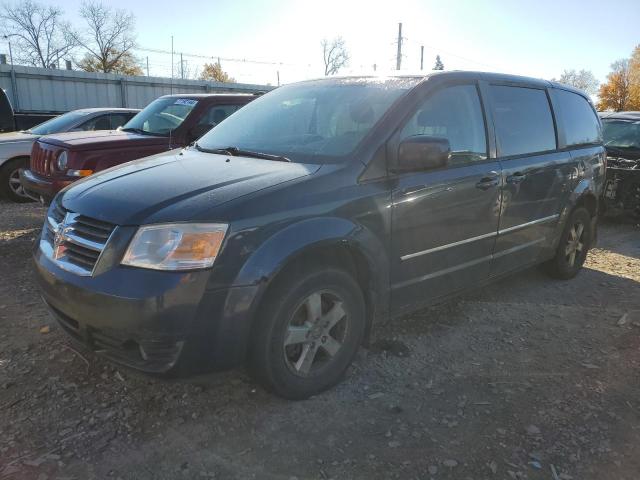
(573, 247)
(284, 317)
(9, 189)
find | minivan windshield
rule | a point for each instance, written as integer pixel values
(618, 133)
(161, 116)
(308, 122)
(59, 124)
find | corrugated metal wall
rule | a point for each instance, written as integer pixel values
(41, 89)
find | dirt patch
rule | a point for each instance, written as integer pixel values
(526, 379)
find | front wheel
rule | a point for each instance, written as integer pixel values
(10, 186)
(308, 333)
(573, 246)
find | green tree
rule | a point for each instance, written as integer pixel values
(439, 65)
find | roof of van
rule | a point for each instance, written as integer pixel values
(453, 74)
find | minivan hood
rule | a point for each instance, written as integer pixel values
(13, 137)
(173, 187)
(100, 139)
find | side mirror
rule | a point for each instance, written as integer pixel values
(422, 152)
(197, 131)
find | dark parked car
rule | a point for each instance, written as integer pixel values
(621, 132)
(170, 122)
(15, 147)
(323, 207)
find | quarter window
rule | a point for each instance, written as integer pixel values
(453, 113)
(523, 120)
(578, 119)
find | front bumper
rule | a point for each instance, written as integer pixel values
(156, 322)
(39, 188)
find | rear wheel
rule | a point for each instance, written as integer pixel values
(10, 186)
(308, 333)
(573, 247)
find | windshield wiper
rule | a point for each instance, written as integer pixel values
(238, 152)
(136, 130)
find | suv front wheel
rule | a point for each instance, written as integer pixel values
(308, 333)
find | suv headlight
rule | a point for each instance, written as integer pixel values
(62, 160)
(175, 246)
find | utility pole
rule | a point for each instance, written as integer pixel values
(278, 74)
(375, 67)
(399, 54)
(181, 67)
(421, 57)
(147, 65)
(171, 63)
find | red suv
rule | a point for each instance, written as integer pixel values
(172, 121)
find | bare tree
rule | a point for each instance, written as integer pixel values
(40, 34)
(335, 55)
(584, 80)
(109, 35)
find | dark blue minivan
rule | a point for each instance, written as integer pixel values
(284, 235)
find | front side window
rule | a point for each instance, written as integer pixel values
(453, 113)
(319, 122)
(161, 116)
(59, 124)
(578, 119)
(523, 121)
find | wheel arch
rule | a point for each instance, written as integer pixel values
(318, 241)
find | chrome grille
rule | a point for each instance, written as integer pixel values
(74, 241)
(42, 160)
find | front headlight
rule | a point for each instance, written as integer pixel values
(62, 161)
(175, 246)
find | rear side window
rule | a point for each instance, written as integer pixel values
(523, 120)
(216, 113)
(577, 118)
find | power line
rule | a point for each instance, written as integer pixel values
(226, 59)
(457, 56)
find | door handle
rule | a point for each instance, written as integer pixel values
(490, 180)
(516, 178)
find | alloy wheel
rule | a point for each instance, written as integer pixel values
(575, 243)
(15, 185)
(315, 333)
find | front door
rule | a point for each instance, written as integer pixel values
(444, 222)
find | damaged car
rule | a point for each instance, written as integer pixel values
(621, 133)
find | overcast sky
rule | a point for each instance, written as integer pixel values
(536, 38)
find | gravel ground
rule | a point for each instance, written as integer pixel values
(527, 379)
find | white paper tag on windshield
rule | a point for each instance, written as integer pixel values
(185, 101)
